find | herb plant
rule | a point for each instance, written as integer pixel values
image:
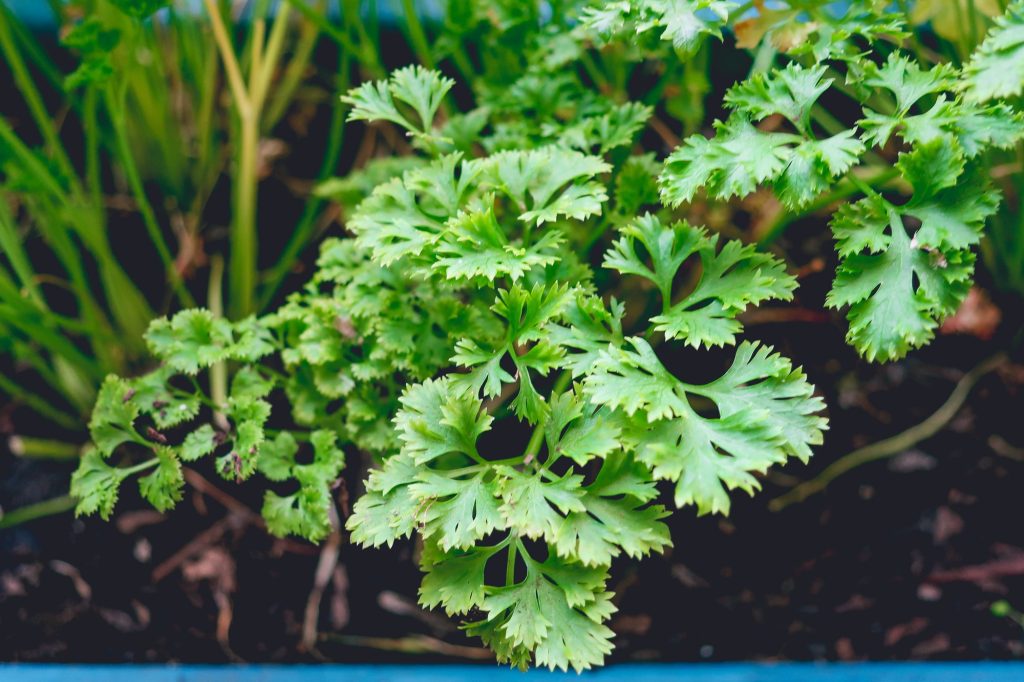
(488, 289)
(145, 140)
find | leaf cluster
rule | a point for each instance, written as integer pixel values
(478, 331)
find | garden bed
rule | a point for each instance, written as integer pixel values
(911, 552)
(899, 559)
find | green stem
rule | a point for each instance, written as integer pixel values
(26, 86)
(215, 298)
(417, 36)
(293, 74)
(852, 186)
(43, 448)
(243, 230)
(510, 563)
(537, 437)
(893, 445)
(141, 466)
(38, 404)
(303, 232)
(115, 105)
(39, 510)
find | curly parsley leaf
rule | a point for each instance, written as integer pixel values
(730, 279)
(898, 285)
(473, 244)
(95, 485)
(557, 612)
(996, 70)
(163, 487)
(306, 512)
(420, 90)
(766, 414)
(683, 23)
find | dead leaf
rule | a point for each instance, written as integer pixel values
(977, 316)
(930, 647)
(947, 523)
(899, 632)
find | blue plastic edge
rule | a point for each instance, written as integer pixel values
(704, 672)
(37, 15)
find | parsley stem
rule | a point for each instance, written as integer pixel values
(219, 370)
(533, 447)
(31, 512)
(851, 187)
(142, 466)
(510, 564)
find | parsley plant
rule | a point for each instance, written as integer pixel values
(474, 297)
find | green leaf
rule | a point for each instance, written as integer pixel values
(733, 163)
(931, 167)
(579, 430)
(456, 512)
(474, 245)
(683, 23)
(277, 456)
(616, 519)
(486, 375)
(527, 311)
(531, 505)
(588, 327)
(198, 444)
(730, 280)
(402, 218)
(996, 69)
(790, 92)
(907, 81)
(240, 463)
(766, 413)
(383, 514)
(436, 420)
(167, 406)
(550, 183)
(113, 416)
(899, 287)
(618, 127)
(557, 612)
(191, 340)
(303, 513)
(94, 485)
(740, 156)
(636, 185)
(666, 247)
(995, 126)
(163, 487)
(453, 579)
(249, 384)
(421, 89)
(306, 513)
(254, 340)
(815, 165)
(140, 9)
(937, 123)
(95, 42)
